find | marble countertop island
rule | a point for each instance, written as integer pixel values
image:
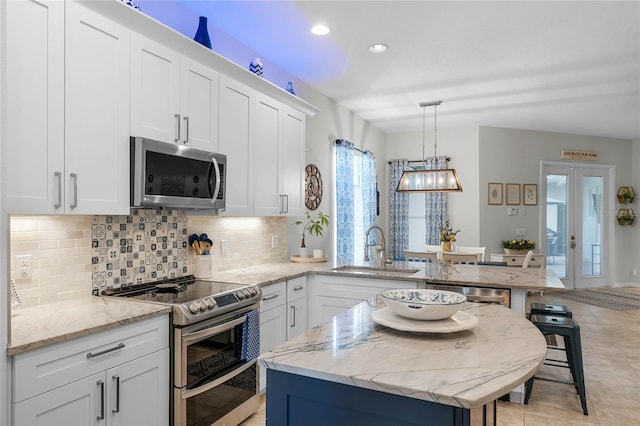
(463, 369)
(43, 325)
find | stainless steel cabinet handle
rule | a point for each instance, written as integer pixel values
(101, 384)
(286, 210)
(293, 316)
(177, 117)
(281, 203)
(186, 123)
(58, 175)
(74, 177)
(300, 287)
(117, 379)
(106, 351)
(271, 297)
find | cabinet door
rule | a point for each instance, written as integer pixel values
(139, 391)
(236, 141)
(35, 106)
(199, 105)
(292, 157)
(78, 403)
(267, 130)
(96, 113)
(296, 318)
(273, 331)
(325, 308)
(155, 82)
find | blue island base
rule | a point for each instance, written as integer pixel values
(295, 400)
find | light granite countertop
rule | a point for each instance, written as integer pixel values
(437, 273)
(43, 325)
(464, 369)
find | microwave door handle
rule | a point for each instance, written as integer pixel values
(215, 191)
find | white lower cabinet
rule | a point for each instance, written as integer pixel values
(116, 377)
(297, 313)
(332, 295)
(273, 322)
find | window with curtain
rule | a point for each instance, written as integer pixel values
(355, 200)
(415, 218)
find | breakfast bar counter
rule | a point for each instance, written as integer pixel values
(354, 371)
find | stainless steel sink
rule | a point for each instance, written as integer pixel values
(376, 270)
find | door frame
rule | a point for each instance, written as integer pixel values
(608, 252)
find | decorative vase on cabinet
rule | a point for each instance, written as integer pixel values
(202, 34)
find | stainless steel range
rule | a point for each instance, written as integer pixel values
(215, 344)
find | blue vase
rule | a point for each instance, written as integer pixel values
(202, 35)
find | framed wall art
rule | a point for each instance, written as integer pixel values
(513, 194)
(495, 193)
(530, 194)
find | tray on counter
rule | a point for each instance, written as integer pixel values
(298, 259)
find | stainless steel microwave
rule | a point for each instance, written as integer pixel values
(175, 176)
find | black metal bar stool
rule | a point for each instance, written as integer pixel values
(569, 329)
(550, 309)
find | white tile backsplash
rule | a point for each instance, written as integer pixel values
(63, 253)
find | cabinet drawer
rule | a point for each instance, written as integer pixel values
(50, 367)
(273, 295)
(296, 288)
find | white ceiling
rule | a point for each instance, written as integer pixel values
(571, 67)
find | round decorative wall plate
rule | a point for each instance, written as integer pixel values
(313, 186)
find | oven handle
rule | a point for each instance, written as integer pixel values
(189, 338)
(486, 299)
(197, 391)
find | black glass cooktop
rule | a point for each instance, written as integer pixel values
(173, 291)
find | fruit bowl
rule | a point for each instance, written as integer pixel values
(423, 304)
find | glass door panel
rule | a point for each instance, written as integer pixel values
(557, 188)
(591, 225)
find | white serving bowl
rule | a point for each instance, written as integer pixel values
(423, 304)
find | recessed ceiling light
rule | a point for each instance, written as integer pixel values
(378, 47)
(320, 29)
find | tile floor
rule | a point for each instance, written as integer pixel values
(611, 356)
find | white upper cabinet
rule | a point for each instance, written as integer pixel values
(173, 98)
(267, 123)
(68, 110)
(292, 159)
(34, 100)
(236, 142)
(96, 113)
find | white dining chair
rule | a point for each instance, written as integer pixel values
(468, 258)
(430, 247)
(527, 259)
(420, 256)
(477, 250)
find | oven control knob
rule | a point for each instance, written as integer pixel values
(240, 295)
(194, 307)
(253, 291)
(210, 303)
(203, 305)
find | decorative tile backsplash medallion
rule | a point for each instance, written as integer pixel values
(147, 245)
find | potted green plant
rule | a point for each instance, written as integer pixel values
(312, 225)
(626, 194)
(626, 217)
(517, 246)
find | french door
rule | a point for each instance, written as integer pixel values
(576, 201)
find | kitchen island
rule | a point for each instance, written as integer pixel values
(353, 371)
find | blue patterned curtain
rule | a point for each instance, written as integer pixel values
(344, 202)
(399, 213)
(368, 190)
(435, 208)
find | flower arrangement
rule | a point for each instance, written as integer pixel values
(519, 244)
(447, 233)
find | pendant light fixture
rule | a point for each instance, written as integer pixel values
(418, 178)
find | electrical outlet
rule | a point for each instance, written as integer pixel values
(512, 211)
(24, 266)
(521, 232)
(224, 247)
(275, 240)
(635, 272)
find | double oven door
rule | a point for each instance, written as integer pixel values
(215, 370)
